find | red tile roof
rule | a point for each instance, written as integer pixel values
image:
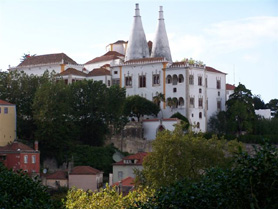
(98, 72)
(128, 181)
(120, 42)
(210, 69)
(111, 55)
(47, 59)
(138, 157)
(84, 170)
(2, 102)
(16, 146)
(165, 119)
(72, 71)
(230, 87)
(58, 175)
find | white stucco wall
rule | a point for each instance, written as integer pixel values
(128, 170)
(265, 113)
(151, 126)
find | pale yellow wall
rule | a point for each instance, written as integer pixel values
(7, 124)
(84, 182)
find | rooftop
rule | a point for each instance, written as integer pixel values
(72, 71)
(210, 69)
(84, 170)
(57, 175)
(136, 159)
(2, 102)
(47, 59)
(98, 72)
(128, 181)
(230, 87)
(16, 147)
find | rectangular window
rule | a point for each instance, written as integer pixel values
(6, 110)
(142, 81)
(33, 159)
(191, 102)
(25, 158)
(120, 175)
(116, 82)
(174, 90)
(219, 105)
(108, 83)
(218, 84)
(128, 81)
(200, 81)
(156, 79)
(200, 102)
(115, 72)
(191, 79)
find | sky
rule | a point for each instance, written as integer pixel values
(237, 37)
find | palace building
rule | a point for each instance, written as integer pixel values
(146, 69)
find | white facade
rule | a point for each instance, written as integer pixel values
(152, 126)
(264, 113)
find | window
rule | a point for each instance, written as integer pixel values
(192, 102)
(174, 90)
(33, 159)
(156, 79)
(25, 158)
(219, 93)
(200, 81)
(116, 82)
(218, 84)
(175, 79)
(120, 175)
(200, 102)
(169, 79)
(181, 79)
(181, 101)
(198, 125)
(206, 82)
(66, 81)
(142, 81)
(6, 110)
(109, 83)
(191, 79)
(200, 91)
(200, 115)
(115, 72)
(128, 81)
(219, 105)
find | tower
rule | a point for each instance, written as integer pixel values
(160, 44)
(137, 47)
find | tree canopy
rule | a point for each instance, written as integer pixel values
(136, 106)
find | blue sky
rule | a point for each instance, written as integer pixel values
(236, 37)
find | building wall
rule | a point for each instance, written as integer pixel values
(7, 124)
(151, 127)
(126, 169)
(53, 183)
(84, 182)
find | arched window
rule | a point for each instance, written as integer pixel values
(181, 101)
(160, 128)
(198, 125)
(181, 78)
(169, 79)
(175, 79)
(176, 102)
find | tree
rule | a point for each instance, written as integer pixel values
(182, 118)
(19, 89)
(52, 113)
(258, 102)
(177, 155)
(17, 190)
(158, 98)
(218, 123)
(240, 110)
(136, 106)
(26, 56)
(273, 105)
(250, 183)
(172, 102)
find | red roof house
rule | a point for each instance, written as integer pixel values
(17, 155)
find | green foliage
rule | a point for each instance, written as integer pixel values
(106, 198)
(218, 123)
(183, 118)
(19, 89)
(177, 155)
(96, 157)
(240, 111)
(17, 190)
(258, 102)
(273, 105)
(136, 106)
(251, 183)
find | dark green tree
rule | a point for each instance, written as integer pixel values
(17, 190)
(182, 118)
(273, 106)
(136, 106)
(218, 123)
(258, 102)
(240, 111)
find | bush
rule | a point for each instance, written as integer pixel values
(17, 190)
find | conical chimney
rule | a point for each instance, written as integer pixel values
(137, 47)
(161, 44)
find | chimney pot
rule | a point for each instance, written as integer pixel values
(36, 145)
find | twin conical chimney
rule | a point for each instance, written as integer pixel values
(160, 44)
(137, 47)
